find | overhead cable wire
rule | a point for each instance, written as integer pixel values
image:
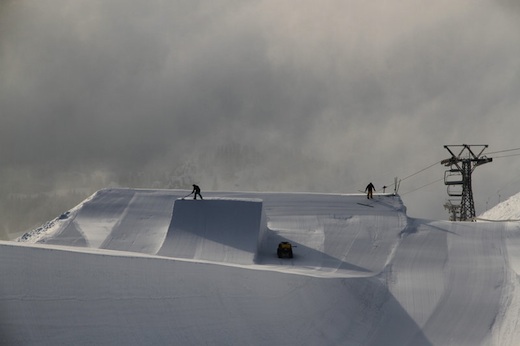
(421, 187)
(502, 151)
(438, 162)
(422, 170)
(499, 157)
(414, 174)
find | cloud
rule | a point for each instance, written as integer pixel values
(367, 90)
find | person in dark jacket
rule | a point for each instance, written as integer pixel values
(196, 190)
(370, 187)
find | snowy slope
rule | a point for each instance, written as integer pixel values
(334, 234)
(506, 210)
(128, 267)
(227, 231)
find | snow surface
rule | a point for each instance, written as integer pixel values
(140, 267)
(507, 210)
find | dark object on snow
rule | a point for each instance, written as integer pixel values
(196, 190)
(64, 216)
(370, 187)
(366, 205)
(284, 250)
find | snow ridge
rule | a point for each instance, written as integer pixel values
(163, 270)
(508, 210)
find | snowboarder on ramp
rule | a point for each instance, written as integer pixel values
(370, 187)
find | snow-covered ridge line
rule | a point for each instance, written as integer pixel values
(362, 273)
(229, 228)
(508, 210)
(489, 220)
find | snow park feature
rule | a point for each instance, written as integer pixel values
(220, 230)
(143, 267)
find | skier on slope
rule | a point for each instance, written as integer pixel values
(196, 190)
(370, 187)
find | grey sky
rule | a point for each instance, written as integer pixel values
(333, 94)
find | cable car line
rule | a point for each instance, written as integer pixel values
(503, 151)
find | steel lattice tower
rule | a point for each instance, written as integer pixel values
(458, 179)
(467, 205)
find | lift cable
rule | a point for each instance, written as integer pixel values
(436, 181)
(414, 174)
(499, 157)
(422, 170)
(438, 162)
(502, 151)
(421, 187)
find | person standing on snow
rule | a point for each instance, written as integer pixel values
(196, 190)
(370, 187)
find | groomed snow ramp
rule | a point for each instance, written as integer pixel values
(217, 230)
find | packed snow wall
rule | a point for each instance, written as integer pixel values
(219, 230)
(115, 219)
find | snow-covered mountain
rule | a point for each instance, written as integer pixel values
(147, 267)
(506, 210)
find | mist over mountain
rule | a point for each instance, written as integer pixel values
(324, 96)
